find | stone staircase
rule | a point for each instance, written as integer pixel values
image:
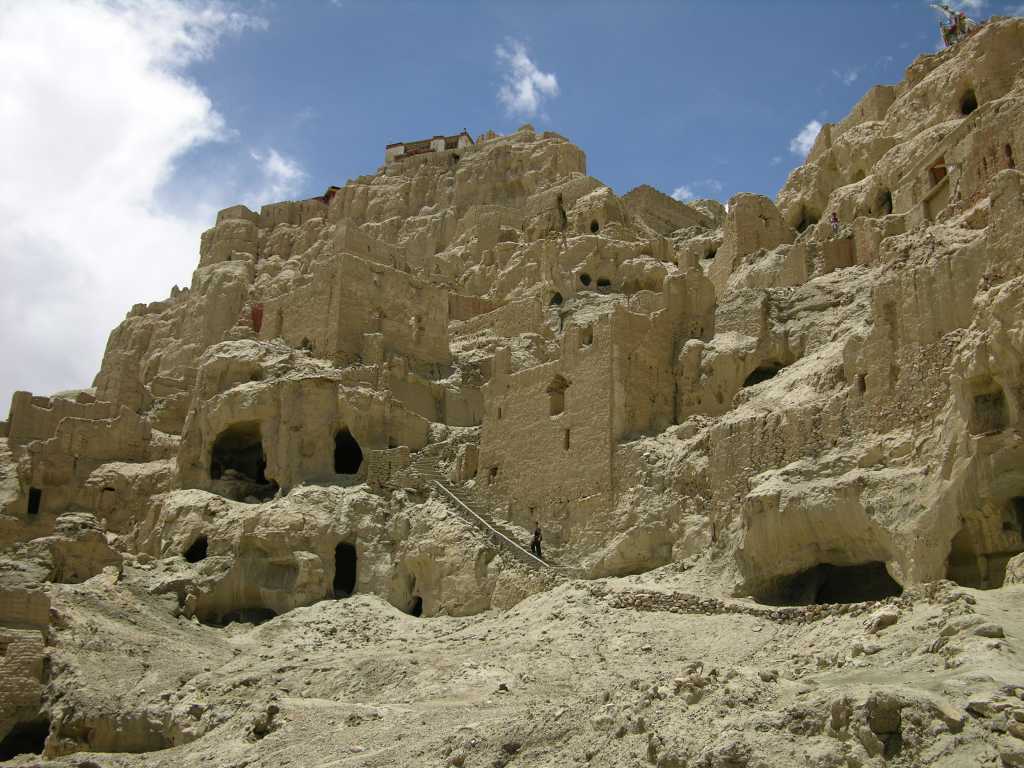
(472, 508)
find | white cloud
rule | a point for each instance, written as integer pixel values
(97, 112)
(775, 160)
(803, 142)
(282, 176)
(847, 76)
(691, 189)
(525, 87)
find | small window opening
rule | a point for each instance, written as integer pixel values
(587, 336)
(556, 300)
(711, 254)
(762, 373)
(27, 738)
(416, 609)
(556, 394)
(603, 282)
(499, 413)
(594, 226)
(565, 440)
(348, 456)
(968, 102)
(344, 570)
(938, 170)
(990, 413)
(584, 279)
(826, 584)
(492, 475)
(197, 550)
(862, 383)
(1008, 151)
(35, 498)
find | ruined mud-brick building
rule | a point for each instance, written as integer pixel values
(382, 388)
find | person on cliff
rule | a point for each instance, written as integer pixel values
(834, 221)
(535, 542)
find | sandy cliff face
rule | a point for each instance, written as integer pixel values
(778, 469)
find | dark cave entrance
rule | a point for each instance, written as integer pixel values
(807, 219)
(35, 499)
(968, 102)
(348, 456)
(27, 738)
(763, 373)
(345, 563)
(197, 550)
(595, 227)
(239, 449)
(556, 300)
(826, 584)
(584, 279)
(416, 609)
(883, 206)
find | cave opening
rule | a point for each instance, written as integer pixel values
(348, 456)
(26, 738)
(595, 227)
(985, 543)
(345, 563)
(807, 219)
(968, 102)
(35, 499)
(603, 282)
(239, 449)
(825, 584)
(416, 609)
(584, 279)
(197, 550)
(556, 300)
(711, 254)
(763, 373)
(884, 205)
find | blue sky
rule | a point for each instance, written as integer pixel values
(127, 123)
(702, 95)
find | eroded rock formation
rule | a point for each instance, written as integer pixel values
(363, 403)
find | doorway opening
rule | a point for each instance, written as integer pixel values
(345, 563)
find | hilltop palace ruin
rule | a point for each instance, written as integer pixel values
(382, 390)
